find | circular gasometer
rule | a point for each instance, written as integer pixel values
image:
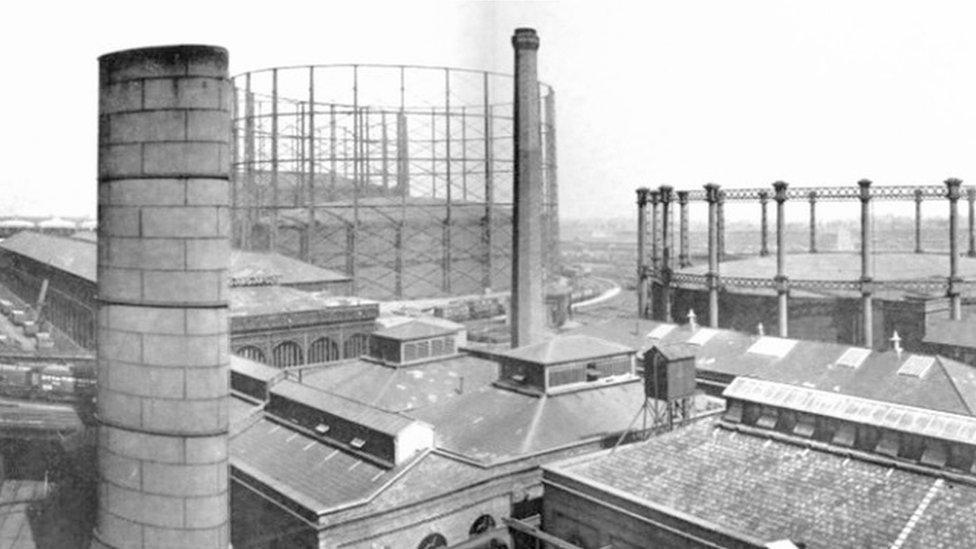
(398, 176)
(850, 264)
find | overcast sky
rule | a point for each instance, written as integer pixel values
(740, 93)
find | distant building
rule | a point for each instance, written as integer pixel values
(283, 311)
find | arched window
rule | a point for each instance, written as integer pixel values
(355, 346)
(287, 353)
(432, 541)
(323, 349)
(251, 352)
(481, 525)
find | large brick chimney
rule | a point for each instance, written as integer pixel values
(163, 253)
(528, 315)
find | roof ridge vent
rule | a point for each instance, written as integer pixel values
(777, 347)
(916, 366)
(853, 357)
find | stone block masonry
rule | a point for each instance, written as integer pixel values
(163, 255)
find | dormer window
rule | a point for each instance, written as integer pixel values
(321, 428)
(357, 443)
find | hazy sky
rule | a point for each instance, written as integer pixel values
(740, 93)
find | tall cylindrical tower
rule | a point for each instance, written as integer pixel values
(528, 314)
(955, 302)
(163, 252)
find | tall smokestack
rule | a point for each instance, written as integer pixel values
(528, 315)
(163, 253)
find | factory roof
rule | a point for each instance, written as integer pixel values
(265, 300)
(400, 389)
(761, 490)
(946, 385)
(415, 329)
(493, 425)
(351, 410)
(290, 271)
(253, 369)
(78, 256)
(312, 473)
(73, 256)
(566, 348)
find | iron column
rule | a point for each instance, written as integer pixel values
(918, 221)
(163, 254)
(642, 194)
(665, 194)
(655, 197)
(971, 198)
(867, 315)
(764, 232)
(683, 260)
(782, 282)
(721, 226)
(711, 195)
(528, 314)
(813, 221)
(955, 303)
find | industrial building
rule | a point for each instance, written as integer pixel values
(785, 466)
(438, 445)
(283, 311)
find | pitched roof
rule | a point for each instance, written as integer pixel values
(567, 348)
(400, 389)
(78, 256)
(948, 386)
(74, 256)
(492, 424)
(289, 270)
(351, 410)
(253, 369)
(920, 421)
(310, 472)
(764, 490)
(415, 329)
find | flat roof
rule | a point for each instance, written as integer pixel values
(253, 369)
(756, 487)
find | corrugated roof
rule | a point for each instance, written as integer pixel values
(567, 348)
(351, 410)
(415, 329)
(759, 488)
(921, 421)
